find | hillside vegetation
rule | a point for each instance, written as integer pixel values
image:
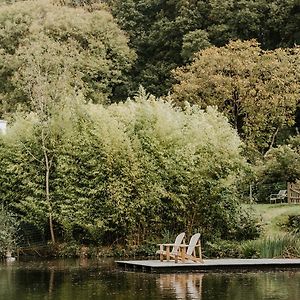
(130, 121)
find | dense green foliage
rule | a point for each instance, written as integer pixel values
(282, 163)
(8, 232)
(79, 167)
(127, 172)
(67, 48)
(279, 166)
(293, 223)
(247, 84)
(160, 30)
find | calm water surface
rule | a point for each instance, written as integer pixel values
(89, 279)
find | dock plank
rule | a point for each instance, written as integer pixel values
(157, 266)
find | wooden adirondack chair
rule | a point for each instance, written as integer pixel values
(164, 249)
(192, 248)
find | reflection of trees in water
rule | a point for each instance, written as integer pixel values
(231, 286)
(51, 283)
(252, 286)
(182, 286)
(82, 279)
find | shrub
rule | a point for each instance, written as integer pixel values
(222, 248)
(280, 165)
(8, 231)
(128, 172)
(293, 223)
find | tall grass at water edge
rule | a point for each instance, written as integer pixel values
(280, 246)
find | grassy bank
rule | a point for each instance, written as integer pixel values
(279, 235)
(273, 217)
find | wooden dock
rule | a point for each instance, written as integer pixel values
(209, 265)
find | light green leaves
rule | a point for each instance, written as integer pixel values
(65, 50)
(130, 169)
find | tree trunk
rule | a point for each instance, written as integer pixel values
(236, 110)
(47, 190)
(273, 138)
(48, 197)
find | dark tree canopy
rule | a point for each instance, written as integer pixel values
(159, 30)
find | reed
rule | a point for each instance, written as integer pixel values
(284, 246)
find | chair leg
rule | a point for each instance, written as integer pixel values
(161, 255)
(183, 255)
(176, 258)
(200, 252)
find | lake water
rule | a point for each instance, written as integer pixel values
(90, 279)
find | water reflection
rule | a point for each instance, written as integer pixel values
(280, 285)
(86, 279)
(182, 286)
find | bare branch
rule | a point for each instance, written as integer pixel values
(30, 153)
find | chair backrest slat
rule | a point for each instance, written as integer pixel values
(282, 192)
(177, 242)
(193, 242)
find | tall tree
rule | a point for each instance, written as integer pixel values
(88, 44)
(257, 90)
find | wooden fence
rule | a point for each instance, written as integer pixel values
(293, 192)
